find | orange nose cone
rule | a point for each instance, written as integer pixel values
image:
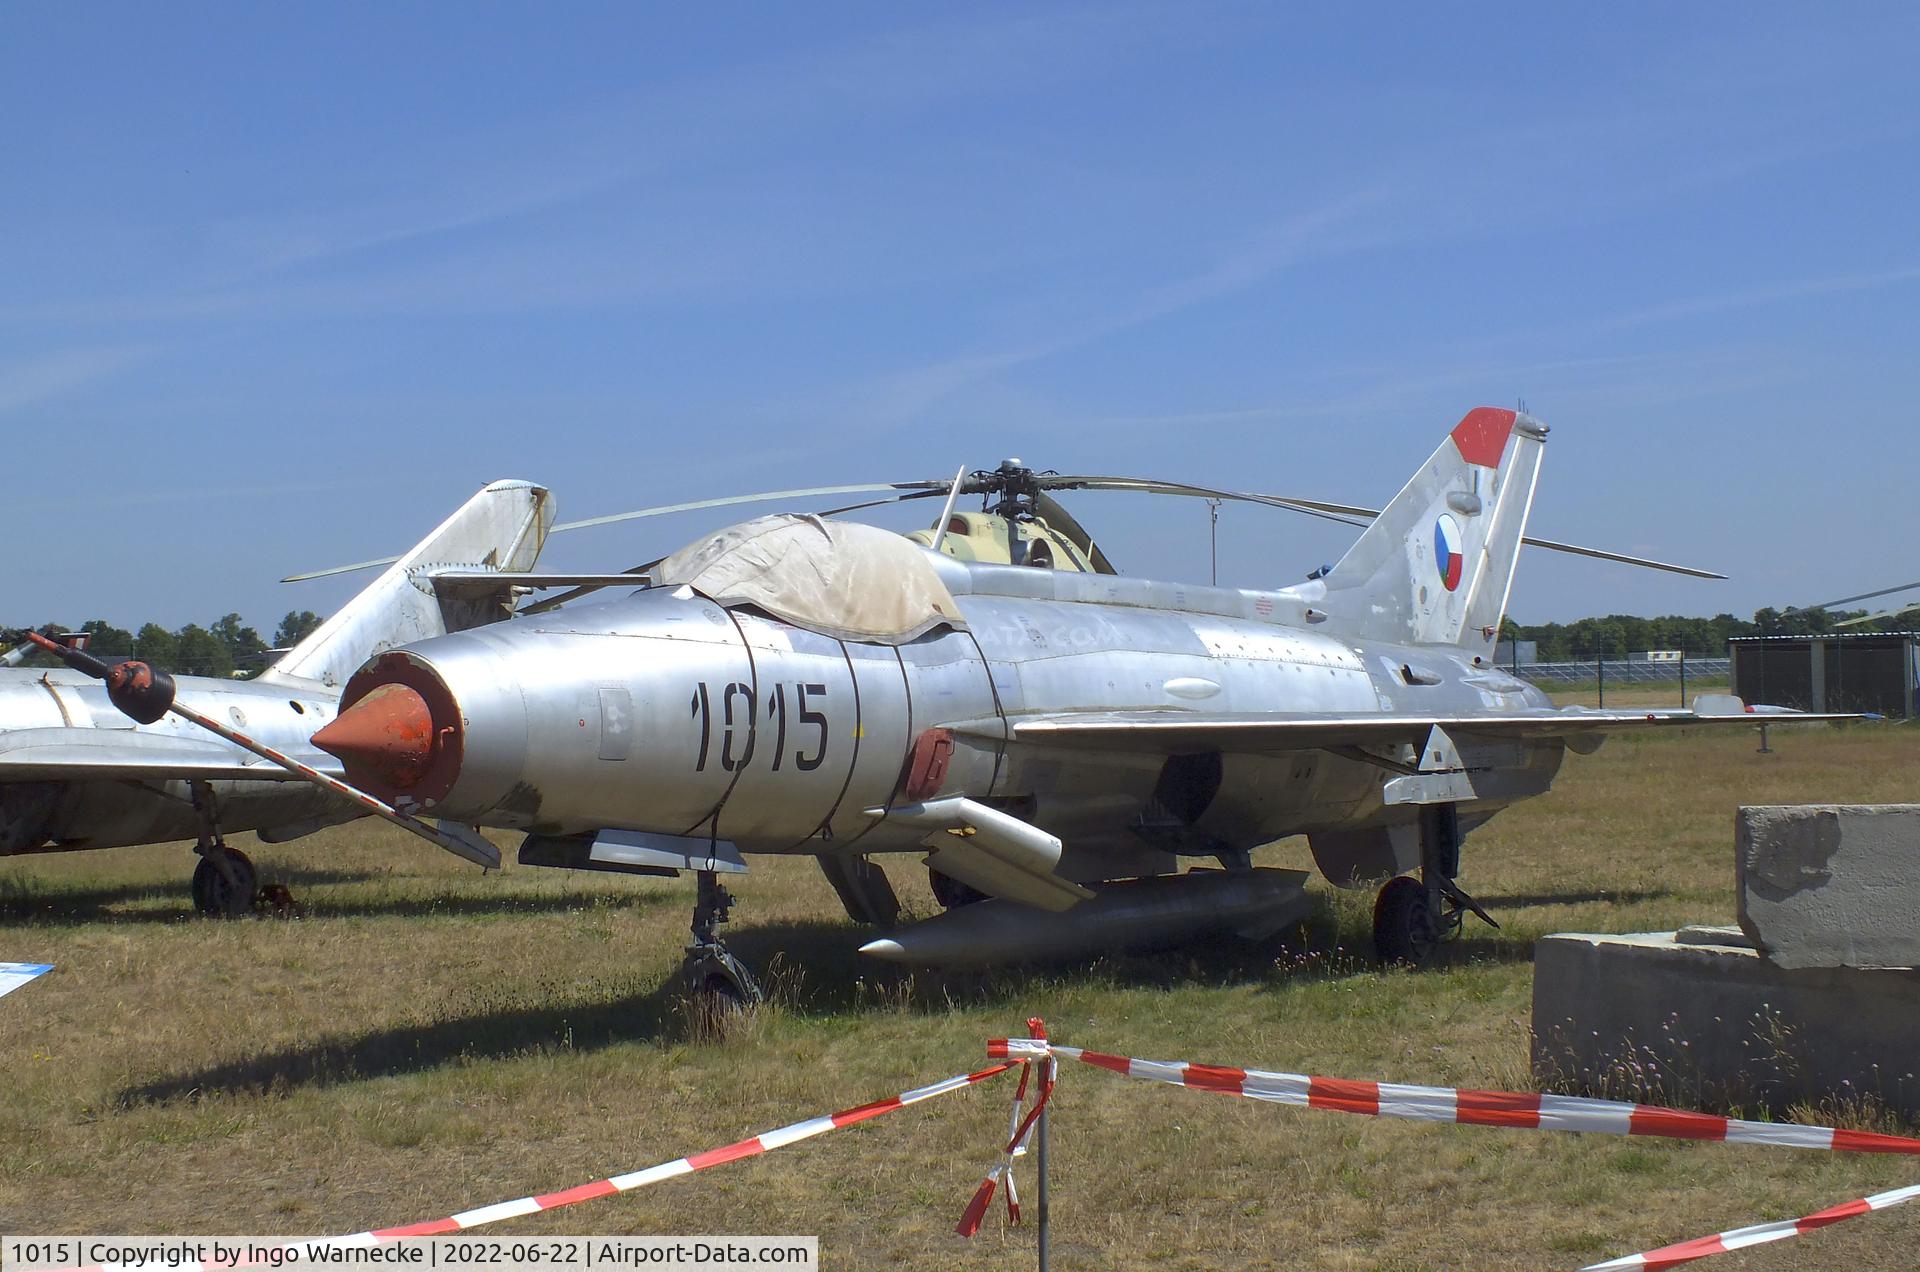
(386, 739)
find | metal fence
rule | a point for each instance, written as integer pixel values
(1622, 672)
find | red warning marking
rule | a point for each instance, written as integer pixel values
(1482, 435)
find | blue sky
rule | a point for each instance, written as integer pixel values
(281, 284)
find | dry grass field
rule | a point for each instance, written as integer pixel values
(428, 1038)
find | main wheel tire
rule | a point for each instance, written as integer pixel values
(1404, 930)
(224, 884)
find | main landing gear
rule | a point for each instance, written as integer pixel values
(1411, 917)
(712, 974)
(225, 884)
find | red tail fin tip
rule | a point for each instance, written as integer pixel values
(1482, 435)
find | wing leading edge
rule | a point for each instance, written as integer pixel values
(40, 755)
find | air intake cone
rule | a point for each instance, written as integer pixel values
(386, 740)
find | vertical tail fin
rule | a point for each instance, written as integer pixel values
(1436, 565)
(501, 528)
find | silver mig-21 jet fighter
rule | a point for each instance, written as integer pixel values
(1056, 742)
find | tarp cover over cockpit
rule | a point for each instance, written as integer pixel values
(841, 578)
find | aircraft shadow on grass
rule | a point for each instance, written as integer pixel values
(1599, 896)
(56, 906)
(25, 898)
(812, 970)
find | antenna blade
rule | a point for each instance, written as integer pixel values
(946, 512)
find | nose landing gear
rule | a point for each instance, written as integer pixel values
(711, 973)
(225, 884)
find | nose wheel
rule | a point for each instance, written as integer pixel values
(225, 884)
(713, 976)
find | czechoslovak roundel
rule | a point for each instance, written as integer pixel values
(1447, 557)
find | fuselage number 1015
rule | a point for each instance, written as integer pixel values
(740, 736)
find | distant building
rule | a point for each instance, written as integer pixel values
(1878, 672)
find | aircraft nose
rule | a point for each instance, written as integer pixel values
(385, 739)
(392, 742)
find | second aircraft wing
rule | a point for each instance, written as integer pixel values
(78, 755)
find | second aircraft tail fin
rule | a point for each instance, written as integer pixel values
(503, 527)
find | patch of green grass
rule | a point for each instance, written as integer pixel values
(429, 1038)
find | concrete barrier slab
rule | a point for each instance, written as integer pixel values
(1651, 1018)
(1830, 885)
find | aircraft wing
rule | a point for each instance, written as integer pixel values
(1173, 732)
(76, 755)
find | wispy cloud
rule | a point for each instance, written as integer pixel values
(296, 262)
(198, 494)
(1341, 224)
(27, 381)
(1695, 306)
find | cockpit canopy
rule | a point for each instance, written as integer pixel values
(840, 578)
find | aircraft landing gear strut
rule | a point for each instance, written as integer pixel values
(1411, 917)
(224, 883)
(711, 971)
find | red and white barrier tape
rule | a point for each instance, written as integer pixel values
(1018, 1129)
(1524, 1109)
(1759, 1234)
(765, 1142)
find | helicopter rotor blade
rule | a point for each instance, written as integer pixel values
(768, 496)
(1864, 596)
(573, 594)
(1345, 514)
(1352, 515)
(986, 481)
(662, 510)
(555, 602)
(1055, 515)
(1864, 619)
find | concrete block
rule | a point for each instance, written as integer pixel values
(1831, 885)
(1653, 1018)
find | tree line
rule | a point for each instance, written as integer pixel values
(1614, 636)
(222, 648)
(228, 645)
